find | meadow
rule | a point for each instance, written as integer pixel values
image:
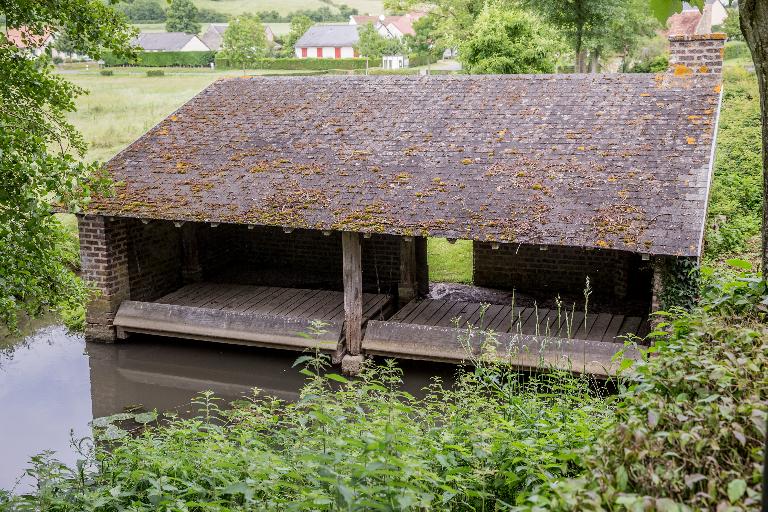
(235, 7)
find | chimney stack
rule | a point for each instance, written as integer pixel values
(696, 54)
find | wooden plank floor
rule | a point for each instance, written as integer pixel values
(528, 321)
(325, 305)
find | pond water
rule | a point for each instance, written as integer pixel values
(52, 384)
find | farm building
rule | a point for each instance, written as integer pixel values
(214, 36)
(169, 42)
(264, 204)
(328, 42)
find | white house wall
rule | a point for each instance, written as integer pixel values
(329, 52)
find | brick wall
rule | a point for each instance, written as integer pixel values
(104, 261)
(561, 270)
(696, 53)
(154, 258)
(302, 258)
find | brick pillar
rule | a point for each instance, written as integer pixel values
(104, 260)
(701, 53)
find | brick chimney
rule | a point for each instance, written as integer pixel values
(699, 53)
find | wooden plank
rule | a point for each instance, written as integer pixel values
(297, 308)
(224, 326)
(645, 328)
(504, 320)
(181, 292)
(577, 323)
(520, 320)
(427, 313)
(586, 326)
(249, 299)
(210, 292)
(529, 326)
(376, 305)
(415, 312)
(278, 303)
(267, 302)
(412, 341)
(405, 311)
(353, 291)
(333, 301)
(450, 313)
(613, 328)
(218, 302)
(600, 325)
(548, 322)
(203, 288)
(631, 325)
(490, 315)
(245, 292)
(470, 308)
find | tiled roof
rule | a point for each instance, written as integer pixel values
(615, 160)
(684, 23)
(163, 41)
(23, 38)
(329, 35)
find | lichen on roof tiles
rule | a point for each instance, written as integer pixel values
(618, 161)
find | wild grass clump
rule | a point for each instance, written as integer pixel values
(357, 444)
(155, 72)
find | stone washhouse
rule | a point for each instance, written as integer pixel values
(294, 212)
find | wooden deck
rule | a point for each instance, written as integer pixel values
(250, 315)
(529, 321)
(526, 337)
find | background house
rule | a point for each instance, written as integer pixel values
(328, 42)
(693, 21)
(169, 42)
(36, 44)
(215, 34)
(390, 26)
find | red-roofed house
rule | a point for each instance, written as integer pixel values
(23, 38)
(390, 26)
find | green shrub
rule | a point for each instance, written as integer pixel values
(106, 72)
(657, 64)
(690, 427)
(737, 50)
(299, 64)
(357, 444)
(155, 72)
(735, 208)
(421, 59)
(163, 59)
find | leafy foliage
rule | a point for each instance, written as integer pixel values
(509, 41)
(357, 444)
(39, 152)
(244, 41)
(373, 45)
(299, 25)
(690, 427)
(162, 59)
(143, 11)
(182, 17)
(736, 197)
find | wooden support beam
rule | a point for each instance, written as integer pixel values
(422, 267)
(353, 291)
(191, 270)
(406, 289)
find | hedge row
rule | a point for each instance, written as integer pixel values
(297, 64)
(421, 59)
(737, 50)
(163, 59)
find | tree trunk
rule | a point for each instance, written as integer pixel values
(754, 26)
(579, 64)
(594, 61)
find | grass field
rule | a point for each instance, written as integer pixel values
(235, 7)
(119, 108)
(449, 263)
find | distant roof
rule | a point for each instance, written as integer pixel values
(329, 35)
(592, 160)
(163, 41)
(214, 35)
(403, 23)
(22, 38)
(684, 23)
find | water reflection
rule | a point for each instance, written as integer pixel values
(53, 383)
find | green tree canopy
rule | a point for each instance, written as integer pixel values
(299, 25)
(40, 150)
(143, 11)
(182, 17)
(507, 40)
(244, 40)
(373, 45)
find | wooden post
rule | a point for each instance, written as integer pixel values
(657, 289)
(422, 267)
(353, 291)
(406, 289)
(191, 271)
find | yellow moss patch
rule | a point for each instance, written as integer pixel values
(682, 70)
(690, 140)
(466, 161)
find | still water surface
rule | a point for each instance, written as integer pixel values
(52, 384)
